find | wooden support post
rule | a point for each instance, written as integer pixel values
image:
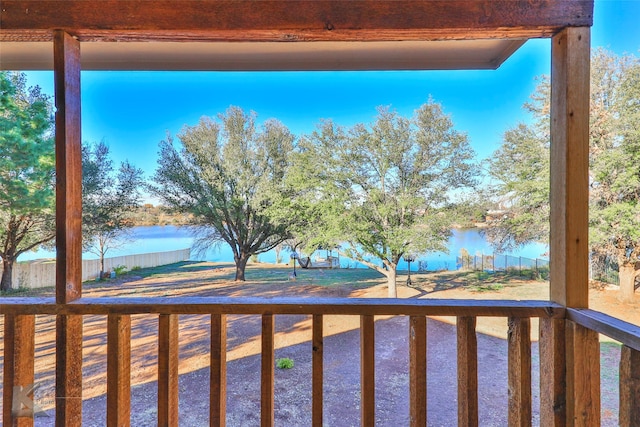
(118, 370)
(19, 406)
(569, 246)
(583, 376)
(629, 387)
(317, 342)
(417, 371)
(218, 371)
(467, 372)
(519, 372)
(268, 367)
(367, 371)
(168, 361)
(66, 64)
(553, 405)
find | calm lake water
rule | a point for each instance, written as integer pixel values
(168, 238)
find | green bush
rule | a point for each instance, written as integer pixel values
(120, 269)
(284, 363)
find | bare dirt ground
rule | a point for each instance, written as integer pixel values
(293, 333)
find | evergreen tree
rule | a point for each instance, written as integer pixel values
(27, 167)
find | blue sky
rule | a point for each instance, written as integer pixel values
(132, 112)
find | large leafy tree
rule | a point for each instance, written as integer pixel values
(386, 187)
(109, 200)
(615, 174)
(27, 166)
(520, 168)
(230, 177)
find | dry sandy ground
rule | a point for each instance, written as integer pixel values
(293, 386)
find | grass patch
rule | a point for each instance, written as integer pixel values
(356, 278)
(19, 292)
(284, 363)
(486, 287)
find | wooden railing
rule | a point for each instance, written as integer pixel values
(19, 324)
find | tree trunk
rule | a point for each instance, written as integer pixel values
(101, 265)
(7, 271)
(627, 276)
(241, 263)
(391, 280)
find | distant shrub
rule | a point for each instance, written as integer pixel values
(136, 268)
(284, 363)
(120, 269)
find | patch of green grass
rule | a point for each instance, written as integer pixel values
(486, 287)
(284, 363)
(354, 277)
(482, 275)
(25, 292)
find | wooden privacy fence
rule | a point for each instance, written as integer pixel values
(559, 326)
(41, 273)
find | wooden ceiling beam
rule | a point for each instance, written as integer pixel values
(289, 20)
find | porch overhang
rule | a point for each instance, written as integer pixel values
(281, 34)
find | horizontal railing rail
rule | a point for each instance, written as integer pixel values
(249, 305)
(624, 332)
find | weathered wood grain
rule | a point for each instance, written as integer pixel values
(291, 20)
(629, 387)
(218, 371)
(118, 370)
(519, 372)
(583, 376)
(367, 372)
(552, 373)
(467, 372)
(569, 236)
(66, 53)
(284, 305)
(317, 360)
(168, 361)
(19, 347)
(624, 332)
(417, 371)
(267, 371)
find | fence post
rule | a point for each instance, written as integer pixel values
(506, 263)
(520, 265)
(493, 260)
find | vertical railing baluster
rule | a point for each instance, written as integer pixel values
(553, 408)
(583, 375)
(267, 371)
(168, 361)
(417, 371)
(118, 370)
(218, 371)
(367, 371)
(19, 346)
(629, 387)
(467, 372)
(318, 370)
(519, 361)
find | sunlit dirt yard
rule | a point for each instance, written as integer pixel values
(293, 333)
